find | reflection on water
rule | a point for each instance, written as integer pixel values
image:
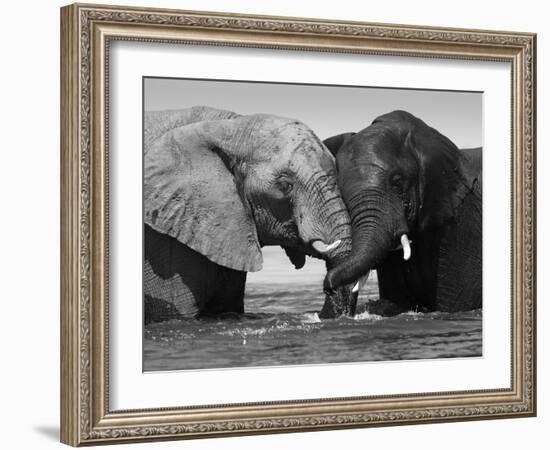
(281, 327)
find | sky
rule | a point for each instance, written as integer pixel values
(327, 110)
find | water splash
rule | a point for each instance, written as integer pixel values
(311, 318)
(367, 316)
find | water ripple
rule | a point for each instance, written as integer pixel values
(284, 328)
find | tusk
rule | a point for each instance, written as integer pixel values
(405, 243)
(323, 248)
(360, 283)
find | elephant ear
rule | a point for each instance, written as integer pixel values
(297, 257)
(444, 180)
(191, 194)
(334, 143)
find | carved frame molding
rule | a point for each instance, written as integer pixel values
(86, 31)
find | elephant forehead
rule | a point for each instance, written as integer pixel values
(284, 134)
(293, 149)
(378, 137)
(300, 140)
(371, 146)
(312, 158)
(298, 152)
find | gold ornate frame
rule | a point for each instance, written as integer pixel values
(86, 31)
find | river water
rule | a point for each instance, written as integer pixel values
(281, 327)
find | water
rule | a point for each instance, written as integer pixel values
(281, 327)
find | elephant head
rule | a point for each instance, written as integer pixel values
(225, 185)
(399, 179)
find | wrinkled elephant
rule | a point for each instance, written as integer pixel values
(217, 187)
(415, 204)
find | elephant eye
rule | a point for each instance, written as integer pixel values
(285, 187)
(396, 180)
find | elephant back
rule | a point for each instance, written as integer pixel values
(474, 156)
(158, 123)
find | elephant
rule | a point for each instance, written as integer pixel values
(415, 205)
(218, 186)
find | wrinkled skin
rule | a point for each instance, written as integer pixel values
(217, 188)
(399, 176)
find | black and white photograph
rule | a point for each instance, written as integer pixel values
(298, 224)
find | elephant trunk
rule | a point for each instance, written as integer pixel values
(376, 220)
(341, 301)
(323, 221)
(333, 224)
(342, 252)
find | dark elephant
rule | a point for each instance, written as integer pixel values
(217, 187)
(415, 204)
